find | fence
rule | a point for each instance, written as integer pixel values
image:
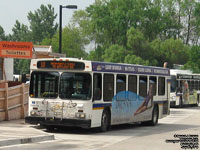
(13, 100)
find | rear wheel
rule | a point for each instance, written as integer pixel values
(197, 101)
(105, 121)
(154, 119)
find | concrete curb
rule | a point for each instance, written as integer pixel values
(26, 140)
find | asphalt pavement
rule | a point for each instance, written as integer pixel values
(18, 132)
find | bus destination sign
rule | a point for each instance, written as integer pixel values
(61, 65)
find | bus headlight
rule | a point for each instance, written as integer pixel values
(80, 115)
(33, 113)
(173, 98)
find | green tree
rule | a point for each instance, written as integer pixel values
(137, 43)
(21, 66)
(112, 19)
(20, 32)
(171, 51)
(194, 61)
(24, 65)
(188, 14)
(81, 20)
(42, 23)
(114, 53)
(2, 34)
(96, 54)
(171, 26)
(73, 43)
(196, 25)
(133, 59)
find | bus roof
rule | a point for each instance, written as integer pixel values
(112, 67)
(178, 71)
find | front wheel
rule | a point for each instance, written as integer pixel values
(105, 121)
(180, 103)
(49, 128)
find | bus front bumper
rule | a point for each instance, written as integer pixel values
(83, 123)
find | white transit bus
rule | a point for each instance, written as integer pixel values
(88, 94)
(185, 88)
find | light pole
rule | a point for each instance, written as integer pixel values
(60, 27)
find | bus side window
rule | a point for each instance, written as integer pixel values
(132, 83)
(153, 82)
(196, 85)
(161, 86)
(189, 85)
(199, 85)
(108, 87)
(120, 83)
(143, 86)
(97, 86)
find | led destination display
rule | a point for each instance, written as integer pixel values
(61, 65)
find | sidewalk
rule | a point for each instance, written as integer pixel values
(18, 132)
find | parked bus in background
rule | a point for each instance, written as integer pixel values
(185, 88)
(88, 94)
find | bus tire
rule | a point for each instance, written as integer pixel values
(105, 121)
(197, 101)
(180, 103)
(49, 128)
(155, 114)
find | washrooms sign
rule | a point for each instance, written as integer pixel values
(16, 49)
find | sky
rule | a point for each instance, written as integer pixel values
(12, 10)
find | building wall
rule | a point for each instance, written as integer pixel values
(8, 65)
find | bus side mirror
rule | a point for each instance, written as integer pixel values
(97, 94)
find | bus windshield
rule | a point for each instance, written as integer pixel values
(75, 86)
(44, 84)
(173, 83)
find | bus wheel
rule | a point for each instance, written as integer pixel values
(49, 128)
(197, 102)
(180, 103)
(154, 119)
(105, 121)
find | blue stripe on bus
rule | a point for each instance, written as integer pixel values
(101, 105)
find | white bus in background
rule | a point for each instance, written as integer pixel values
(87, 94)
(185, 88)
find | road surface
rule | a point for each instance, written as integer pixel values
(181, 123)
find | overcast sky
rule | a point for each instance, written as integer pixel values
(12, 10)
